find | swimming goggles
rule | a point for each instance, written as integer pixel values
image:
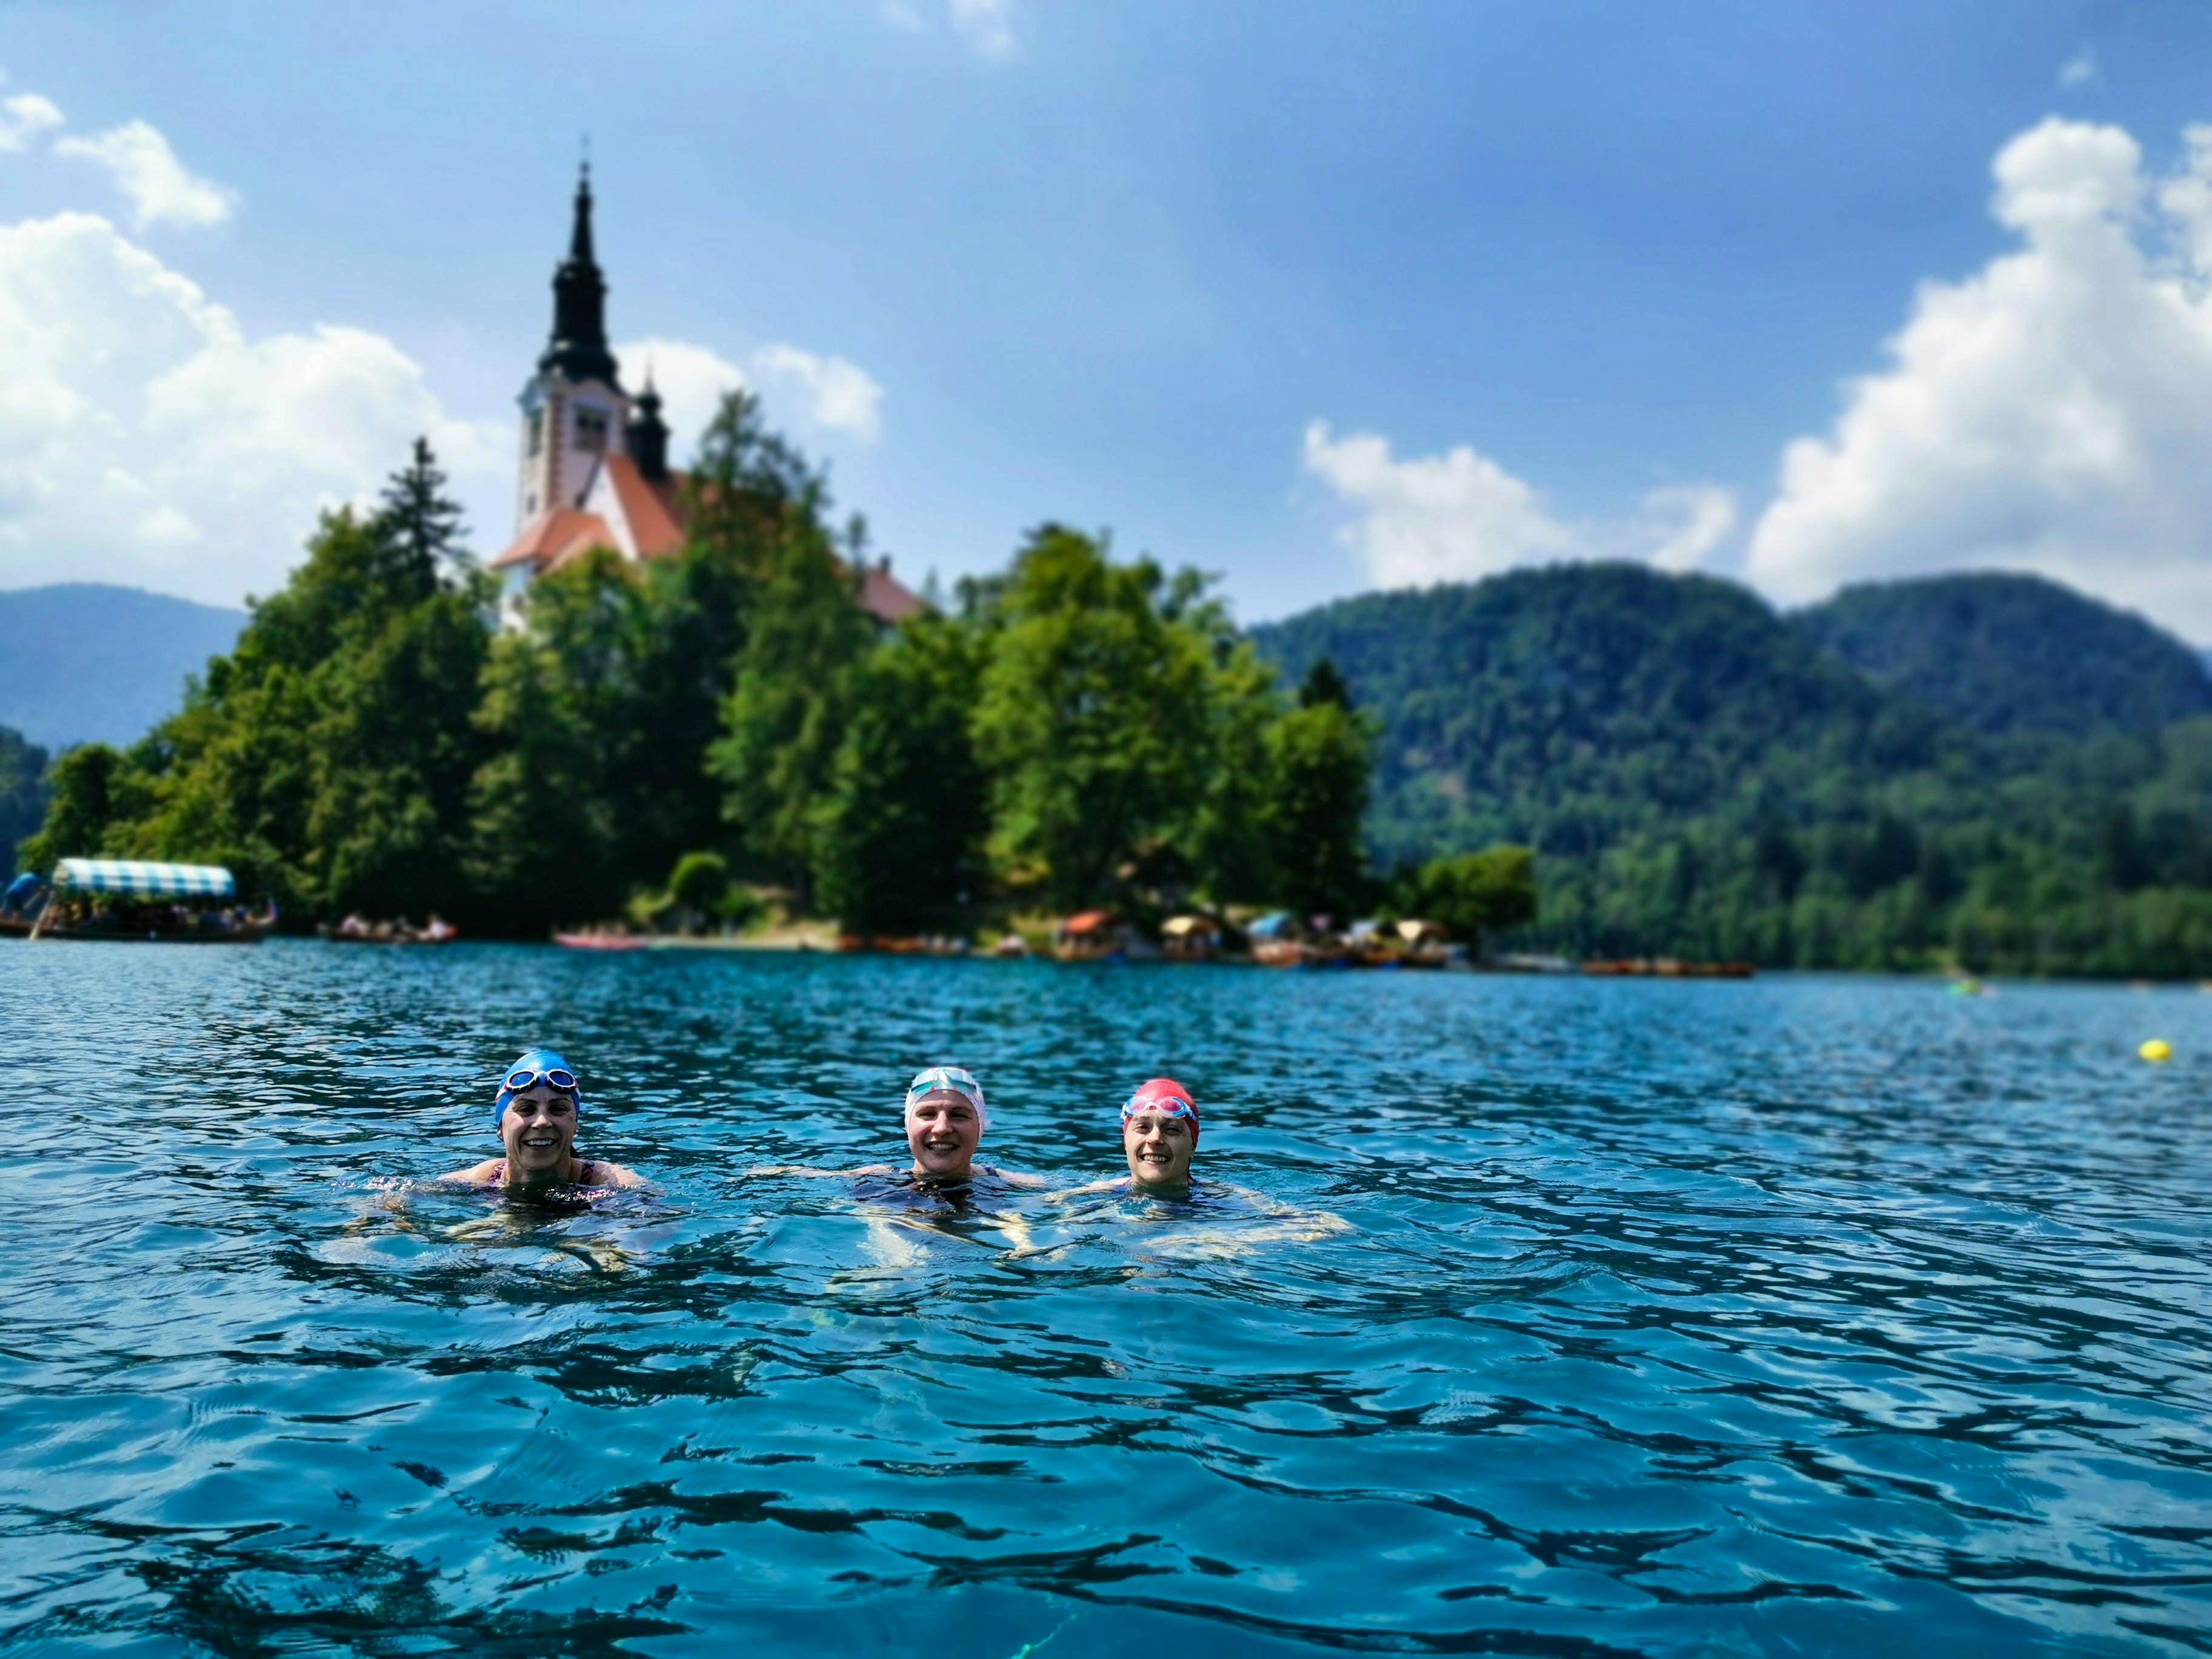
(1160, 1101)
(554, 1077)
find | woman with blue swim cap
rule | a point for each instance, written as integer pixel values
(538, 1103)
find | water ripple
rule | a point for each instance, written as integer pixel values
(1559, 1318)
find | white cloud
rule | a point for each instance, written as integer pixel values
(1459, 516)
(1683, 525)
(158, 186)
(692, 380)
(23, 118)
(986, 25)
(2052, 412)
(828, 394)
(145, 437)
(2080, 70)
(902, 16)
(832, 393)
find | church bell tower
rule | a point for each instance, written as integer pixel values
(574, 408)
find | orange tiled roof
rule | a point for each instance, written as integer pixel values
(655, 511)
(554, 535)
(655, 514)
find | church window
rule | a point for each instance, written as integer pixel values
(591, 430)
(536, 430)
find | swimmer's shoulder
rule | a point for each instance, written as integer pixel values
(1011, 1177)
(476, 1175)
(602, 1172)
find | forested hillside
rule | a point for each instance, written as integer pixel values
(81, 662)
(1998, 653)
(1699, 776)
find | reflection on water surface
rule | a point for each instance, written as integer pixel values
(1796, 1316)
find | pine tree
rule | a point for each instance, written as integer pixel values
(420, 525)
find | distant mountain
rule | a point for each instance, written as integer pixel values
(82, 661)
(1572, 706)
(1999, 652)
(2024, 779)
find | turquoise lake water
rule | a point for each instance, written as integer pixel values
(1800, 1316)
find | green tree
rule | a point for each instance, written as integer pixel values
(421, 526)
(1474, 894)
(901, 837)
(790, 697)
(1320, 756)
(23, 795)
(80, 812)
(1092, 720)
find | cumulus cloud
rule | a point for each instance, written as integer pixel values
(831, 393)
(1459, 516)
(2080, 70)
(692, 379)
(160, 189)
(23, 118)
(146, 437)
(988, 26)
(2052, 412)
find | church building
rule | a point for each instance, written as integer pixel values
(595, 468)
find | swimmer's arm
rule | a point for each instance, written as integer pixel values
(812, 1173)
(1112, 1184)
(1285, 1221)
(1013, 1178)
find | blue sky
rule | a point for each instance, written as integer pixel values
(1316, 296)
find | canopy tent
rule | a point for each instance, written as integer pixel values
(1189, 926)
(140, 877)
(1277, 924)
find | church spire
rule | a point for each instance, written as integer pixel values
(647, 440)
(578, 349)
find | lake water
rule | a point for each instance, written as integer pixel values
(1804, 1315)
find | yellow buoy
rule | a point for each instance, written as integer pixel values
(2157, 1049)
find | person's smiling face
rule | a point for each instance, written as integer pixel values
(943, 1129)
(538, 1128)
(1158, 1146)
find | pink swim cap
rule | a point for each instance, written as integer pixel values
(1163, 1095)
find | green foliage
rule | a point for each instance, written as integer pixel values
(903, 823)
(1319, 755)
(1093, 720)
(23, 795)
(700, 881)
(1698, 782)
(1998, 653)
(790, 698)
(81, 811)
(1474, 895)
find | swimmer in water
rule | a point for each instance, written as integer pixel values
(945, 1118)
(1159, 1137)
(538, 1102)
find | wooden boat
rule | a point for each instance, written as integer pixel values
(599, 941)
(132, 915)
(1667, 967)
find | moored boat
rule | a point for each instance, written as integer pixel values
(136, 900)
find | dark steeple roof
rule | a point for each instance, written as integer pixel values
(648, 437)
(578, 349)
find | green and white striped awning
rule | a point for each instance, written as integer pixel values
(141, 876)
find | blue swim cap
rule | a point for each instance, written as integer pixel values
(533, 1059)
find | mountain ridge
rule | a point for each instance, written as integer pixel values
(97, 662)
